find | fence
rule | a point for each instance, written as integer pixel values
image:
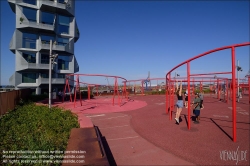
(8, 100)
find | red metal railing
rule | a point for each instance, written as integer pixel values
(169, 103)
(116, 89)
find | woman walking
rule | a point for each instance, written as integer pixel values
(179, 103)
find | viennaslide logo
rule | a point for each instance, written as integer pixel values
(234, 155)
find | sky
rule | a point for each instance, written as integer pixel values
(131, 38)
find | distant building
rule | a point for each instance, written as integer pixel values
(38, 22)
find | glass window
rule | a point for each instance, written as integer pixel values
(29, 57)
(30, 14)
(46, 75)
(29, 78)
(32, 2)
(48, 18)
(61, 1)
(63, 24)
(63, 29)
(63, 20)
(29, 40)
(61, 76)
(44, 59)
(63, 62)
(46, 39)
(62, 41)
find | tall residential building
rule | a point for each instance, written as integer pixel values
(38, 22)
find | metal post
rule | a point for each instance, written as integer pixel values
(238, 88)
(188, 87)
(233, 95)
(249, 87)
(166, 90)
(50, 54)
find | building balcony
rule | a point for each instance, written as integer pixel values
(53, 81)
(67, 7)
(58, 47)
(37, 27)
(38, 66)
(12, 45)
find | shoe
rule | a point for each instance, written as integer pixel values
(196, 122)
(177, 120)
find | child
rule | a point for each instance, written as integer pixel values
(196, 104)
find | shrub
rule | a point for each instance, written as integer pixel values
(33, 128)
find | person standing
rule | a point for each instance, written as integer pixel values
(60, 95)
(201, 95)
(179, 103)
(186, 98)
(196, 106)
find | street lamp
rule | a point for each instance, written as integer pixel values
(52, 58)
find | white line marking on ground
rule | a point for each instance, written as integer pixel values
(122, 138)
(159, 103)
(112, 117)
(221, 116)
(113, 127)
(244, 113)
(95, 115)
(237, 109)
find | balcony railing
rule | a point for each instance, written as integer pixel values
(39, 25)
(66, 5)
(68, 47)
(38, 66)
(53, 80)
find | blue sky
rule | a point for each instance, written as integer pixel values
(130, 38)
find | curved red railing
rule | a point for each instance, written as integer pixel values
(170, 84)
(116, 91)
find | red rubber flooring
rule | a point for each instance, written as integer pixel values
(206, 143)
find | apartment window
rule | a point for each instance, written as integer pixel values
(63, 24)
(30, 14)
(46, 75)
(62, 41)
(46, 39)
(48, 18)
(63, 62)
(29, 78)
(29, 57)
(61, 1)
(44, 59)
(29, 40)
(32, 2)
(61, 76)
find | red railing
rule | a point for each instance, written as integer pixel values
(77, 89)
(170, 86)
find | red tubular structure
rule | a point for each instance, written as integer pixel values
(116, 91)
(189, 97)
(232, 83)
(249, 88)
(234, 95)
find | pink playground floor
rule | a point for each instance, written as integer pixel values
(140, 133)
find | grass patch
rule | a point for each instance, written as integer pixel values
(34, 128)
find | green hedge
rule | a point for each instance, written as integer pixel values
(32, 127)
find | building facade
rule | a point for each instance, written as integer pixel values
(38, 22)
